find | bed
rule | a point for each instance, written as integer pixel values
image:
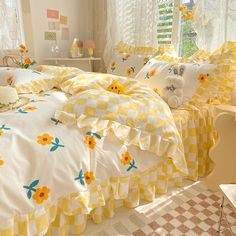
(69, 160)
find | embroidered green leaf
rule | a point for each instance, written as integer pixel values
(90, 133)
(34, 183)
(81, 181)
(131, 165)
(80, 177)
(29, 194)
(57, 141)
(53, 148)
(22, 111)
(81, 173)
(4, 127)
(56, 121)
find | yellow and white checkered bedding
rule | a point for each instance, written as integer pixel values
(56, 193)
(135, 114)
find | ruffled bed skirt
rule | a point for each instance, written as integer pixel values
(70, 215)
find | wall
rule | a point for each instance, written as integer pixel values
(79, 24)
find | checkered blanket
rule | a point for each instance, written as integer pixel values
(135, 114)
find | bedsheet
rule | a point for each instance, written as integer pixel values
(52, 178)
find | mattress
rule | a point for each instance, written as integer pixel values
(71, 194)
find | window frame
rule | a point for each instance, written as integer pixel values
(177, 27)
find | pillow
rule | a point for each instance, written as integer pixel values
(10, 76)
(61, 72)
(26, 80)
(181, 83)
(129, 60)
(124, 64)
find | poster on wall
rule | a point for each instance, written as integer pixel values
(63, 20)
(50, 36)
(52, 14)
(52, 25)
(65, 34)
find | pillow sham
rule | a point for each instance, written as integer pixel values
(181, 83)
(129, 60)
(125, 64)
(10, 76)
(27, 80)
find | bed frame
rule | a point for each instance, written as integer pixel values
(223, 153)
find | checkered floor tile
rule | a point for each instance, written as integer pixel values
(190, 210)
(197, 216)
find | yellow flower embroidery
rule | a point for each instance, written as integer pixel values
(182, 8)
(113, 65)
(145, 59)
(89, 177)
(45, 139)
(130, 71)
(30, 108)
(202, 78)
(1, 132)
(125, 158)
(156, 90)
(1, 162)
(90, 141)
(10, 80)
(116, 87)
(41, 194)
(152, 73)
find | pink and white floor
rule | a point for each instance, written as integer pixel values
(189, 210)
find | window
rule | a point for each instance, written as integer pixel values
(187, 44)
(172, 29)
(165, 23)
(11, 27)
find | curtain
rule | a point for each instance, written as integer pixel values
(10, 25)
(99, 13)
(214, 22)
(131, 21)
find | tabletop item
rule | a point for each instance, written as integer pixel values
(9, 99)
(80, 46)
(90, 46)
(25, 61)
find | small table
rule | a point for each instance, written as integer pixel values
(229, 192)
(83, 63)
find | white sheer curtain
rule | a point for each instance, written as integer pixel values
(132, 21)
(215, 23)
(10, 24)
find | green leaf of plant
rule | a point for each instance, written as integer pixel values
(53, 148)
